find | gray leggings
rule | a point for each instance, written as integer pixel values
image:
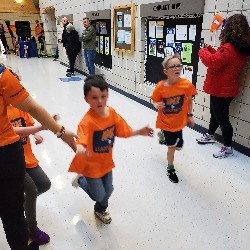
(36, 182)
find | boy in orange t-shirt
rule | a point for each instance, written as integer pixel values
(36, 181)
(172, 98)
(97, 131)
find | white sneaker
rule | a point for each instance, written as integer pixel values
(224, 152)
(206, 138)
(75, 182)
(104, 217)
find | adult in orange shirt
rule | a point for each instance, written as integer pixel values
(40, 34)
(36, 181)
(172, 98)
(12, 163)
(97, 131)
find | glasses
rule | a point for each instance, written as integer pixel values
(174, 67)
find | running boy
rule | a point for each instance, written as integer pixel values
(173, 99)
(97, 131)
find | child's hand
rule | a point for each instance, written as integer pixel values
(38, 138)
(146, 131)
(191, 121)
(81, 150)
(159, 105)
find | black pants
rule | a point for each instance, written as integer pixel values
(12, 170)
(72, 60)
(219, 110)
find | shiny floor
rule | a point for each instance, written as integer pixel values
(208, 209)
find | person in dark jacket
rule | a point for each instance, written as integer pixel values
(222, 79)
(65, 34)
(73, 47)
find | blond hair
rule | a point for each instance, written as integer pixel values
(169, 57)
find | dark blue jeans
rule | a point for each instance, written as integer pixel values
(98, 189)
(89, 56)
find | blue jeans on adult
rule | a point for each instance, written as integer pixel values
(98, 189)
(89, 56)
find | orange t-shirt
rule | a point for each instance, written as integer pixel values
(98, 134)
(174, 115)
(11, 91)
(19, 118)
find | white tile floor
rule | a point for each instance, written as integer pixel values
(208, 209)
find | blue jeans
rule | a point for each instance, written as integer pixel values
(98, 189)
(89, 56)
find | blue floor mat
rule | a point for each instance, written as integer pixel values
(71, 79)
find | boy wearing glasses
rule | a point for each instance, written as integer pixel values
(172, 97)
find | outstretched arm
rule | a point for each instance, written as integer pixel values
(145, 131)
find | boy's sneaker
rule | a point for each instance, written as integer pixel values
(67, 70)
(69, 74)
(104, 217)
(172, 176)
(39, 237)
(224, 152)
(75, 182)
(206, 138)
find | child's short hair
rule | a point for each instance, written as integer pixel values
(96, 81)
(169, 57)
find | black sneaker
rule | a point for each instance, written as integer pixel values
(67, 70)
(172, 176)
(69, 74)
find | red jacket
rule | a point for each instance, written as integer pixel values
(224, 68)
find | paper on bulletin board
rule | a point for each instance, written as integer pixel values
(119, 19)
(187, 72)
(97, 44)
(151, 29)
(127, 20)
(103, 28)
(120, 36)
(106, 46)
(192, 32)
(101, 44)
(152, 47)
(127, 36)
(178, 48)
(159, 31)
(181, 32)
(169, 51)
(160, 48)
(170, 35)
(186, 52)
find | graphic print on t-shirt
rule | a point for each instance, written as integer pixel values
(20, 122)
(173, 104)
(103, 140)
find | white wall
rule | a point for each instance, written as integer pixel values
(128, 71)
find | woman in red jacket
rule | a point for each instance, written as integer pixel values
(222, 79)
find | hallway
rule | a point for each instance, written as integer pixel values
(208, 209)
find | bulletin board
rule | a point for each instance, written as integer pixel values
(168, 36)
(124, 28)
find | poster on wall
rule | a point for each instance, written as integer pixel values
(103, 28)
(192, 32)
(181, 32)
(186, 52)
(187, 72)
(119, 19)
(127, 20)
(101, 44)
(127, 36)
(120, 36)
(178, 48)
(170, 35)
(106, 47)
(151, 29)
(160, 48)
(159, 31)
(152, 47)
